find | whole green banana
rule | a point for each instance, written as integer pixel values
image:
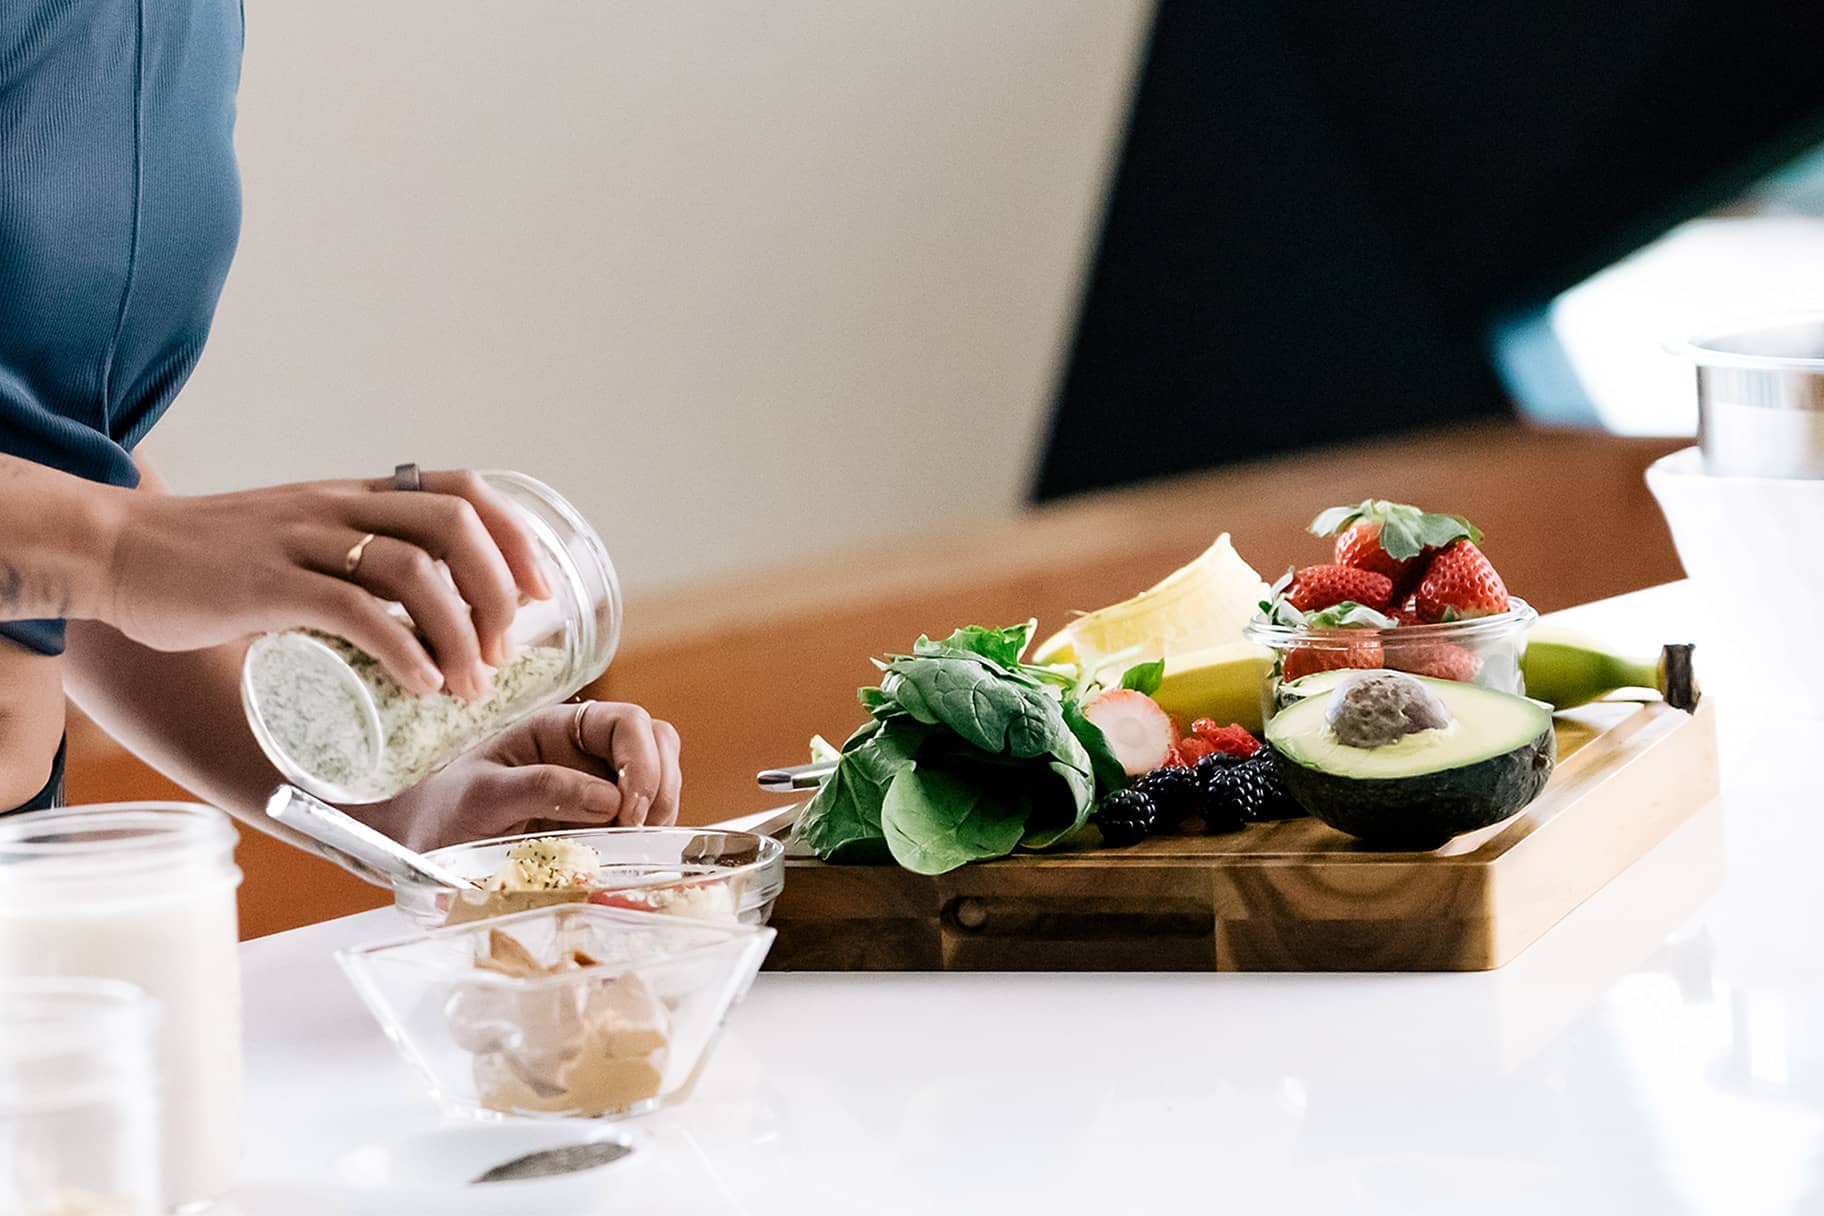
(1565, 668)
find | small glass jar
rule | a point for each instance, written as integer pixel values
(78, 1098)
(1483, 650)
(143, 892)
(337, 726)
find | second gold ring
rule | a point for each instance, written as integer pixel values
(356, 552)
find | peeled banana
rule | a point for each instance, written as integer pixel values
(1224, 683)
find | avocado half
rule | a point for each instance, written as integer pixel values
(1489, 763)
(1315, 684)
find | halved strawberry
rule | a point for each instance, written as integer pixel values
(1139, 733)
(1315, 588)
(1460, 582)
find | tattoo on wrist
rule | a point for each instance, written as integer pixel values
(20, 597)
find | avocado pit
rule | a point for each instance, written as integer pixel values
(1378, 708)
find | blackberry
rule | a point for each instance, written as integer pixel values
(1126, 817)
(1229, 794)
(1278, 802)
(1177, 795)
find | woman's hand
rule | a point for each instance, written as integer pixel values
(186, 573)
(593, 764)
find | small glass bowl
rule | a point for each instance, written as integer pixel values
(1482, 650)
(627, 1034)
(699, 873)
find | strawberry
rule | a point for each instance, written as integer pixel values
(1139, 733)
(1390, 538)
(1406, 613)
(1315, 588)
(1439, 660)
(1303, 659)
(1360, 546)
(1459, 583)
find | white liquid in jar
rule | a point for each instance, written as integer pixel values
(175, 935)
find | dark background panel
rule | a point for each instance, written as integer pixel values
(1320, 208)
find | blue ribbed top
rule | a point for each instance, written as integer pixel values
(119, 210)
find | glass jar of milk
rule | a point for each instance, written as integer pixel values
(143, 892)
(336, 725)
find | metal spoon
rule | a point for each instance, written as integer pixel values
(795, 776)
(370, 855)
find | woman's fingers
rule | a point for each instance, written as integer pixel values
(449, 529)
(348, 611)
(665, 807)
(394, 569)
(503, 524)
(511, 537)
(623, 735)
(511, 796)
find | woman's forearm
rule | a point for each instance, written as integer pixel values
(179, 712)
(56, 542)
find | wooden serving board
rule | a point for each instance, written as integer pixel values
(1292, 896)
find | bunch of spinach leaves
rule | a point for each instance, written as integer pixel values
(969, 754)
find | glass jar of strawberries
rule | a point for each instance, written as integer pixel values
(1405, 589)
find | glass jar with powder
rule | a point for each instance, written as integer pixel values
(336, 725)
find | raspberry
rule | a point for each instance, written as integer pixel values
(1203, 727)
(1193, 748)
(1126, 817)
(1232, 740)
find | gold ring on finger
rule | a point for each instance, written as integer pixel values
(576, 727)
(356, 552)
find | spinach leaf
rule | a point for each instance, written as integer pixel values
(1002, 646)
(1144, 677)
(841, 823)
(978, 702)
(1057, 810)
(936, 821)
(969, 754)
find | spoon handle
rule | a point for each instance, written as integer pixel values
(368, 854)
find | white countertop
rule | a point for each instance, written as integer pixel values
(1659, 1051)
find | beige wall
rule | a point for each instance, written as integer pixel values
(746, 280)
